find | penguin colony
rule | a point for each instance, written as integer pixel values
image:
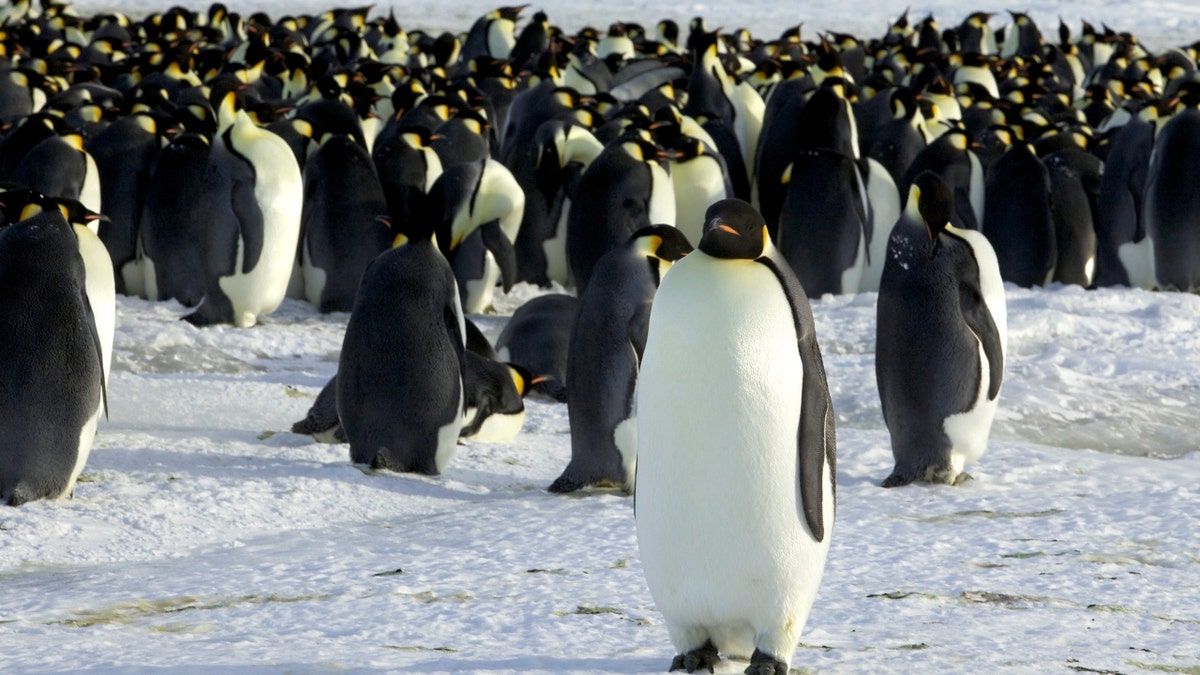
(401, 176)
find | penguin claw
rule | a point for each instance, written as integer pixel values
(703, 657)
(762, 663)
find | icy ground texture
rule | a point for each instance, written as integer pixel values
(206, 537)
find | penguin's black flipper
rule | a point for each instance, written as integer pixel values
(816, 439)
(91, 320)
(322, 417)
(501, 248)
(250, 223)
(478, 343)
(215, 307)
(979, 319)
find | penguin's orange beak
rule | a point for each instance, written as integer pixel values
(728, 229)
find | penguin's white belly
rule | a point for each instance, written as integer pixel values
(101, 288)
(968, 431)
(87, 435)
(723, 541)
(261, 290)
(480, 292)
(498, 427)
(1138, 260)
(314, 277)
(555, 248)
(885, 211)
(447, 435)
(697, 183)
(661, 210)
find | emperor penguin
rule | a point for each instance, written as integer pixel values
(175, 221)
(623, 190)
(340, 233)
(825, 226)
(124, 154)
(1017, 218)
(492, 35)
(699, 178)
(950, 156)
(605, 351)
(537, 337)
(52, 387)
(60, 166)
(1124, 253)
(1172, 207)
(399, 385)
(250, 262)
(493, 397)
(732, 401)
(564, 151)
(484, 199)
(941, 339)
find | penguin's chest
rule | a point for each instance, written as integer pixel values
(719, 398)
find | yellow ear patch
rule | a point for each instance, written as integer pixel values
(30, 211)
(399, 240)
(518, 381)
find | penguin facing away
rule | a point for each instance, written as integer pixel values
(52, 386)
(941, 339)
(400, 376)
(604, 355)
(720, 416)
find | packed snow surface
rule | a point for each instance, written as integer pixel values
(205, 536)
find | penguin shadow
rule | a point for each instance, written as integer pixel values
(550, 664)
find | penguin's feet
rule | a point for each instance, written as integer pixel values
(762, 663)
(963, 477)
(703, 657)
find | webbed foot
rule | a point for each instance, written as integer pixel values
(703, 657)
(762, 663)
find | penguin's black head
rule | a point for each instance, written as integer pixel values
(664, 241)
(934, 200)
(735, 230)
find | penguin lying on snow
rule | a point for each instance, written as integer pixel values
(940, 340)
(735, 450)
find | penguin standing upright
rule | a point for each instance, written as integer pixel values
(175, 221)
(1172, 207)
(60, 167)
(940, 340)
(399, 385)
(124, 154)
(1017, 219)
(482, 198)
(52, 386)
(605, 351)
(951, 158)
(565, 149)
(732, 401)
(251, 244)
(824, 224)
(1124, 254)
(699, 178)
(341, 236)
(623, 190)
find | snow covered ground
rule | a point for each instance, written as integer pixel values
(205, 537)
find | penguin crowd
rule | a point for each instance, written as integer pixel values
(228, 162)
